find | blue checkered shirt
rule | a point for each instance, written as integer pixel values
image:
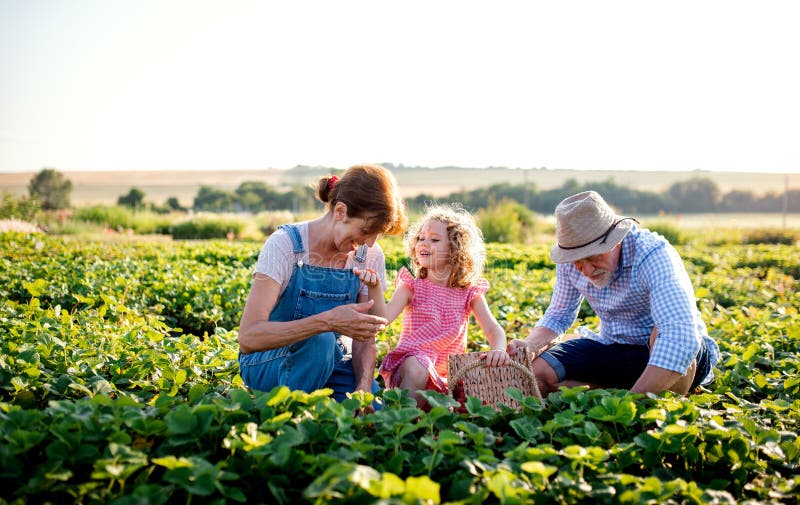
(650, 288)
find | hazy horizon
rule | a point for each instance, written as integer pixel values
(623, 85)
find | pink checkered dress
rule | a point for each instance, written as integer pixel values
(434, 327)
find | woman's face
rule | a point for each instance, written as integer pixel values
(351, 232)
(432, 249)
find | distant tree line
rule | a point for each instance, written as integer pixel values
(255, 196)
(696, 195)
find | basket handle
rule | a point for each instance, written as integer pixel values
(475, 364)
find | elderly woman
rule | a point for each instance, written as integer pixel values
(306, 306)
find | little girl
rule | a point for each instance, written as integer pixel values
(447, 250)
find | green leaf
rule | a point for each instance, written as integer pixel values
(387, 486)
(423, 488)
(181, 421)
(35, 288)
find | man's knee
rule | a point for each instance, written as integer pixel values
(545, 375)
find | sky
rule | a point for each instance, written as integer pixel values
(585, 85)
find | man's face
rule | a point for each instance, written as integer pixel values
(600, 268)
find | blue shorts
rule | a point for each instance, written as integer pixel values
(609, 365)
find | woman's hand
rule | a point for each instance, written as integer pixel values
(368, 276)
(354, 321)
(496, 358)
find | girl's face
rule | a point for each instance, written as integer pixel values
(432, 249)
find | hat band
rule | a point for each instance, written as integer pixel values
(604, 236)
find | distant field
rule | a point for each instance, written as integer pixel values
(727, 221)
(106, 187)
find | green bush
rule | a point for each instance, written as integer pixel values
(121, 218)
(669, 231)
(111, 216)
(208, 226)
(767, 236)
(268, 221)
(507, 221)
(19, 207)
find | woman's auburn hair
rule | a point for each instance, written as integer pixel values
(467, 251)
(367, 190)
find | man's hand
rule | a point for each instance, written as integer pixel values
(537, 341)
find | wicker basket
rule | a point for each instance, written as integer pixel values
(467, 371)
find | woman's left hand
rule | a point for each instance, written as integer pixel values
(496, 358)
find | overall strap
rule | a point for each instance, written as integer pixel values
(361, 253)
(294, 234)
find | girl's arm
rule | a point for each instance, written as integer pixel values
(493, 331)
(388, 311)
(364, 360)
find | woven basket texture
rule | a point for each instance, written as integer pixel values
(490, 383)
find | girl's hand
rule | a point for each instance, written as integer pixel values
(496, 358)
(368, 276)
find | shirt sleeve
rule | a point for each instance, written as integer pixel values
(661, 274)
(564, 303)
(276, 258)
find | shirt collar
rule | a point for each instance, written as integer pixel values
(627, 249)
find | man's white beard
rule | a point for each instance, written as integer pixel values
(602, 282)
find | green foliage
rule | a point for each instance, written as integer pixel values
(51, 188)
(673, 233)
(698, 194)
(267, 222)
(506, 221)
(115, 217)
(121, 218)
(764, 236)
(18, 207)
(255, 197)
(119, 384)
(134, 199)
(173, 204)
(206, 226)
(214, 200)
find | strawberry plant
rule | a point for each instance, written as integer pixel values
(119, 384)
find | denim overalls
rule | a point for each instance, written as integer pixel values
(321, 360)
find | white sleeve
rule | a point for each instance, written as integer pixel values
(276, 258)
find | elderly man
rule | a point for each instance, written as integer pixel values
(651, 335)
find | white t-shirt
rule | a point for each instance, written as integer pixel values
(276, 259)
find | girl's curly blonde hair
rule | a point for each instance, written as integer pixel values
(467, 252)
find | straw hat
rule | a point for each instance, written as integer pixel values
(586, 225)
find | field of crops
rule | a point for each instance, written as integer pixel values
(118, 384)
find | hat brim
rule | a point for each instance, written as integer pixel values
(559, 255)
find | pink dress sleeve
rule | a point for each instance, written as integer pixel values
(404, 277)
(480, 288)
